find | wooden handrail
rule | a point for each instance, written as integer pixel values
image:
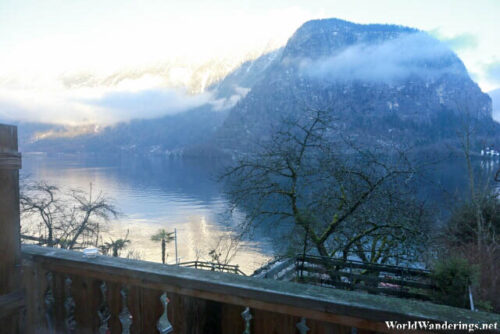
(347, 308)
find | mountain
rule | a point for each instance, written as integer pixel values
(382, 82)
(192, 75)
(170, 134)
(495, 99)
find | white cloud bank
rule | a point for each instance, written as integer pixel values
(412, 54)
(143, 97)
(125, 105)
(92, 63)
(492, 71)
(229, 102)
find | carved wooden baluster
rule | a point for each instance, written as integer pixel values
(104, 313)
(302, 327)
(125, 315)
(163, 325)
(247, 316)
(49, 302)
(69, 307)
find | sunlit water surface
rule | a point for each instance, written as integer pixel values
(154, 193)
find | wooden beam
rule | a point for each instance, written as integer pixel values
(11, 303)
(10, 244)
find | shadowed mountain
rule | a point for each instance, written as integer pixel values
(383, 83)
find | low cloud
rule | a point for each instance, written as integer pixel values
(144, 97)
(125, 105)
(226, 103)
(87, 97)
(46, 107)
(492, 72)
(460, 42)
(414, 54)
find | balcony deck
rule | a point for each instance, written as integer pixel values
(204, 301)
(48, 291)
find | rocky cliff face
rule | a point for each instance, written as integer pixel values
(383, 82)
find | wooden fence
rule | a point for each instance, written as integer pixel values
(213, 266)
(391, 280)
(352, 275)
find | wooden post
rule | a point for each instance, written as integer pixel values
(10, 242)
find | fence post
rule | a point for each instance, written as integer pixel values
(10, 242)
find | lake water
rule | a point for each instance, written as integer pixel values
(156, 192)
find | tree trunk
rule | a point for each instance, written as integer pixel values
(81, 228)
(50, 241)
(474, 199)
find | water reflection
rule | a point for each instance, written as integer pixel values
(153, 193)
(156, 193)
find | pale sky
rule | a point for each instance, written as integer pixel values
(60, 59)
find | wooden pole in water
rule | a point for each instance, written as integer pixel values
(10, 230)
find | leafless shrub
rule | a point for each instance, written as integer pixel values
(69, 220)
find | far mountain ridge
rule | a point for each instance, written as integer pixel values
(169, 134)
(385, 82)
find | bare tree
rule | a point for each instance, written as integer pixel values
(225, 249)
(86, 217)
(70, 220)
(466, 134)
(42, 200)
(339, 197)
(471, 230)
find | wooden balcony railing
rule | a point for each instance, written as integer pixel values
(69, 293)
(61, 291)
